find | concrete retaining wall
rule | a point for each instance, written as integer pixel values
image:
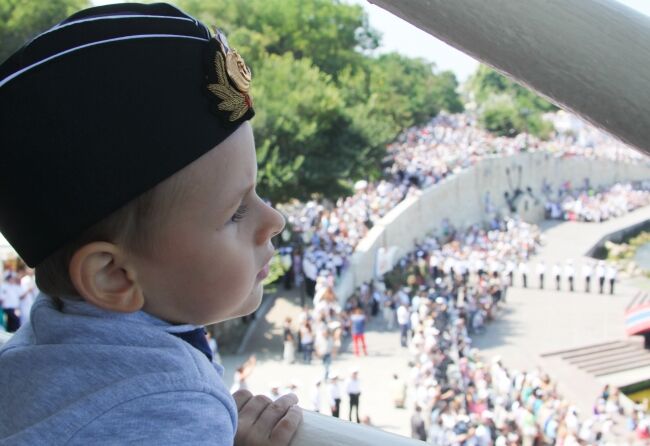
(617, 237)
(461, 199)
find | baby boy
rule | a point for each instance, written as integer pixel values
(129, 175)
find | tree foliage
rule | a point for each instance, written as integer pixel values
(326, 107)
(21, 20)
(506, 107)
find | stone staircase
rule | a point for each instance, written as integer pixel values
(606, 358)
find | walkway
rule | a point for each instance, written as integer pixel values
(531, 323)
(536, 321)
(375, 371)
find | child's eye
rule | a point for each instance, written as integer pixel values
(239, 214)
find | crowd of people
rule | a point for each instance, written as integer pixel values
(423, 156)
(436, 298)
(595, 275)
(597, 204)
(458, 398)
(474, 402)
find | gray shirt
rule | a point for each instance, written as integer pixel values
(79, 375)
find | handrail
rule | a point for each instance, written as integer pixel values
(322, 430)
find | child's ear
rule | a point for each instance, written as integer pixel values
(102, 275)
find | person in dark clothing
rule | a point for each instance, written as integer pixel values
(353, 390)
(418, 430)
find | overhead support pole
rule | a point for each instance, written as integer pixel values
(588, 56)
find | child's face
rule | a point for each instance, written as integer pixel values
(207, 258)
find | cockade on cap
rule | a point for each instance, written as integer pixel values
(229, 79)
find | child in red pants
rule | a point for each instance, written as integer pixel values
(358, 320)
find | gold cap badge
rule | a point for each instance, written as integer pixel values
(232, 79)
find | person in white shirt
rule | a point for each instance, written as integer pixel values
(353, 389)
(399, 388)
(510, 271)
(403, 318)
(541, 269)
(315, 396)
(587, 271)
(569, 272)
(611, 277)
(389, 310)
(311, 274)
(10, 293)
(414, 321)
(324, 346)
(434, 263)
(334, 392)
(557, 273)
(523, 270)
(289, 351)
(600, 273)
(30, 292)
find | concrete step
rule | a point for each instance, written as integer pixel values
(620, 367)
(612, 356)
(582, 350)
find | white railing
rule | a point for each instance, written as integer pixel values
(322, 430)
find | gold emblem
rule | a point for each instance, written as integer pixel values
(239, 73)
(230, 68)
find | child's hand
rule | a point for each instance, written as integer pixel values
(263, 422)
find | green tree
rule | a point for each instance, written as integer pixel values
(413, 82)
(302, 130)
(391, 93)
(326, 106)
(522, 111)
(21, 20)
(487, 81)
(329, 32)
(501, 116)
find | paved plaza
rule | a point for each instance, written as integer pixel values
(532, 322)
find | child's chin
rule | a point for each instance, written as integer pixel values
(254, 300)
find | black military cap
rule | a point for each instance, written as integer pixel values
(101, 108)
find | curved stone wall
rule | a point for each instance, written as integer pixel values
(462, 200)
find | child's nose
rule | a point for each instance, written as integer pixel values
(273, 224)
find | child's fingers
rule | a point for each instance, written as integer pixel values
(241, 398)
(253, 409)
(286, 428)
(249, 414)
(273, 413)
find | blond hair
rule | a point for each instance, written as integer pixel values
(131, 227)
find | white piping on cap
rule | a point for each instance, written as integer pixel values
(109, 17)
(117, 39)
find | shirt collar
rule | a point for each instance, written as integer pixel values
(83, 308)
